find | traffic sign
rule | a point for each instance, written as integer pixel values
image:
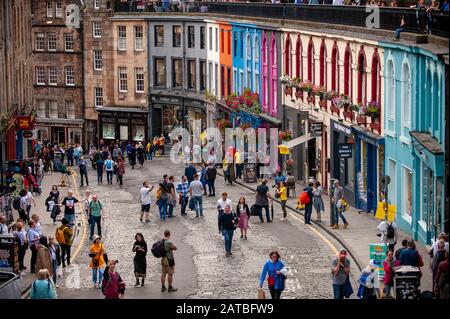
(345, 150)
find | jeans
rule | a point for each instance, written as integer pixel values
(211, 187)
(70, 160)
(100, 177)
(184, 202)
(100, 271)
(260, 212)
(163, 208)
(338, 291)
(65, 250)
(109, 176)
(387, 290)
(81, 177)
(150, 155)
(54, 266)
(96, 220)
(337, 214)
(239, 171)
(275, 293)
(308, 212)
(170, 211)
(70, 218)
(120, 178)
(198, 205)
(33, 258)
(21, 253)
(283, 208)
(397, 32)
(77, 159)
(228, 235)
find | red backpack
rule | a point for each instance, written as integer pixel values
(304, 198)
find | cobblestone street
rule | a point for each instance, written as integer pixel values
(202, 270)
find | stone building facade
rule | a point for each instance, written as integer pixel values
(57, 73)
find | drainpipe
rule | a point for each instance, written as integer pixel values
(149, 97)
(83, 91)
(185, 66)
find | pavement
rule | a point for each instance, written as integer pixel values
(360, 233)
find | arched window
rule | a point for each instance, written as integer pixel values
(348, 72)
(273, 76)
(390, 96)
(335, 68)
(265, 61)
(323, 64)
(406, 99)
(256, 46)
(376, 81)
(249, 47)
(361, 77)
(287, 57)
(298, 58)
(311, 61)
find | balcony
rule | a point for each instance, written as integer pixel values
(337, 15)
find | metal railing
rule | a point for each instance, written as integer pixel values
(417, 21)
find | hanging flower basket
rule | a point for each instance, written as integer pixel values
(288, 91)
(289, 165)
(334, 109)
(285, 135)
(323, 104)
(245, 126)
(372, 109)
(310, 99)
(299, 94)
(361, 119)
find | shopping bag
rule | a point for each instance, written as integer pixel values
(261, 294)
(271, 210)
(191, 204)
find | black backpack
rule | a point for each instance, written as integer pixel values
(211, 173)
(158, 249)
(16, 203)
(390, 231)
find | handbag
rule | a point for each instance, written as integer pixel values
(348, 289)
(261, 294)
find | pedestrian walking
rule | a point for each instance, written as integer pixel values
(369, 282)
(196, 192)
(33, 242)
(279, 178)
(149, 149)
(318, 200)
(43, 287)
(38, 225)
(23, 204)
(411, 257)
(168, 263)
(95, 215)
(133, 156)
(437, 259)
(442, 281)
(120, 170)
(77, 153)
(140, 154)
(44, 258)
(389, 233)
(228, 222)
(389, 265)
(98, 262)
(243, 214)
(69, 207)
(86, 203)
(20, 236)
(116, 153)
(146, 201)
(113, 287)
(63, 236)
(203, 178)
(262, 200)
(275, 272)
(70, 152)
(55, 252)
(281, 192)
(30, 201)
(53, 204)
(338, 195)
(109, 168)
(83, 166)
(309, 204)
(399, 251)
(190, 171)
(140, 259)
(238, 160)
(171, 197)
(162, 196)
(210, 174)
(434, 248)
(162, 141)
(182, 190)
(340, 269)
(100, 165)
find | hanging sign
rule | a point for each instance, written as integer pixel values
(284, 150)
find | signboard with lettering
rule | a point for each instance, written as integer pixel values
(8, 254)
(25, 123)
(316, 129)
(380, 213)
(345, 150)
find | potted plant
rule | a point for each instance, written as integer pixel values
(289, 165)
(306, 86)
(372, 109)
(285, 135)
(210, 97)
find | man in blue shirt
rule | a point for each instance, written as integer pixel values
(190, 171)
(411, 256)
(183, 190)
(83, 171)
(308, 207)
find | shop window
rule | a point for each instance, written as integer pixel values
(109, 131)
(176, 36)
(53, 108)
(159, 36)
(407, 192)
(138, 133)
(123, 132)
(70, 106)
(160, 72)
(390, 96)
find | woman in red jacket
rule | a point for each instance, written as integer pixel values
(389, 265)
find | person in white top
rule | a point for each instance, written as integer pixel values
(371, 283)
(434, 246)
(145, 201)
(30, 200)
(388, 235)
(3, 227)
(224, 201)
(87, 202)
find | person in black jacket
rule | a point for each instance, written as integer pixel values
(55, 251)
(227, 223)
(190, 171)
(211, 173)
(309, 206)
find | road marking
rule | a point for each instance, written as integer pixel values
(83, 218)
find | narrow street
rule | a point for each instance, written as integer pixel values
(202, 270)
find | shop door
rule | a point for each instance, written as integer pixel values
(157, 122)
(371, 171)
(311, 159)
(336, 159)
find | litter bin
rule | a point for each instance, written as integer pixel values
(250, 173)
(57, 161)
(9, 260)
(10, 285)
(407, 282)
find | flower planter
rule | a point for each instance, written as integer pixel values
(310, 99)
(299, 94)
(375, 125)
(361, 119)
(335, 109)
(323, 104)
(288, 91)
(348, 114)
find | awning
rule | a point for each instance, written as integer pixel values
(122, 109)
(58, 122)
(270, 119)
(425, 140)
(367, 136)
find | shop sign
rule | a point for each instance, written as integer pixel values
(8, 255)
(377, 252)
(316, 129)
(284, 150)
(25, 123)
(341, 128)
(345, 150)
(380, 213)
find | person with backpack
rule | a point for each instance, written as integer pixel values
(20, 236)
(389, 233)
(389, 265)
(162, 196)
(63, 236)
(33, 242)
(338, 197)
(307, 200)
(210, 174)
(43, 287)
(140, 259)
(83, 166)
(109, 168)
(164, 249)
(275, 272)
(262, 200)
(99, 164)
(183, 190)
(95, 215)
(369, 282)
(97, 263)
(113, 287)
